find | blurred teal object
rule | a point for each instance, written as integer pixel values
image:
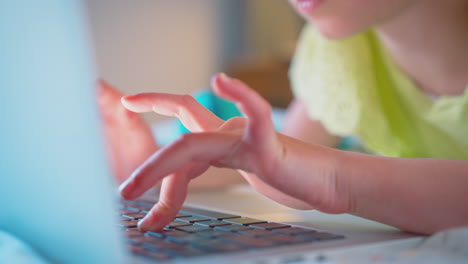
(351, 143)
(224, 109)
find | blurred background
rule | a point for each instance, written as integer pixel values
(176, 46)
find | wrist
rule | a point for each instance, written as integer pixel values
(343, 164)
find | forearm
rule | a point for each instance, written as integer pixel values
(419, 195)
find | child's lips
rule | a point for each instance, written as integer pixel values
(306, 6)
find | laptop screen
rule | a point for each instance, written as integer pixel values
(54, 178)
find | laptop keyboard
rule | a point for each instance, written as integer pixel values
(198, 232)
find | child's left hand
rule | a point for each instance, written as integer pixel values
(129, 140)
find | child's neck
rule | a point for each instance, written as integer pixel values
(429, 41)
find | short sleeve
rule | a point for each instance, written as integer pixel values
(329, 76)
(353, 87)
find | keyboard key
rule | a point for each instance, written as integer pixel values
(256, 232)
(287, 239)
(187, 252)
(146, 239)
(217, 246)
(188, 239)
(181, 215)
(163, 245)
(133, 232)
(321, 236)
(158, 256)
(129, 224)
(193, 219)
(133, 209)
(212, 223)
(166, 233)
(244, 221)
(194, 228)
(252, 242)
(215, 234)
(134, 216)
(232, 227)
(269, 226)
(177, 223)
(293, 230)
(121, 218)
(125, 211)
(208, 213)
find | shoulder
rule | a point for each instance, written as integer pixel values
(330, 77)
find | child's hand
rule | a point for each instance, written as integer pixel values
(129, 138)
(287, 170)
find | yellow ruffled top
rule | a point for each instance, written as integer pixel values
(354, 88)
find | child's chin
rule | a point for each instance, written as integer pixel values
(337, 31)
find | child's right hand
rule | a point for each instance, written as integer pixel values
(290, 171)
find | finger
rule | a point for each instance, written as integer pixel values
(192, 147)
(108, 98)
(107, 93)
(168, 204)
(171, 198)
(260, 129)
(129, 140)
(191, 113)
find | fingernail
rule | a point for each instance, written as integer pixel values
(224, 76)
(131, 97)
(143, 224)
(126, 101)
(125, 190)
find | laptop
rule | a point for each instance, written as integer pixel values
(56, 190)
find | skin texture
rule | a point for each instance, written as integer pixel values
(396, 191)
(308, 175)
(297, 124)
(427, 38)
(271, 162)
(337, 19)
(129, 139)
(428, 41)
